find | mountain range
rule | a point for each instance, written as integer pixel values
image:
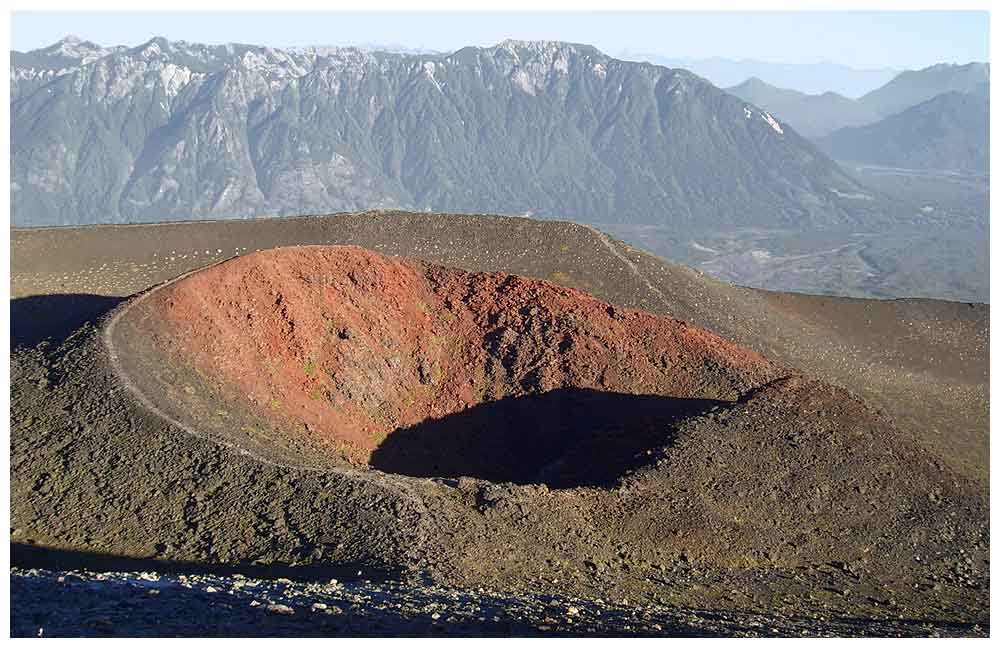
(807, 78)
(176, 130)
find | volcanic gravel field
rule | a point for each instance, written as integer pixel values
(524, 413)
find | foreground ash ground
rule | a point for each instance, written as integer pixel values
(452, 404)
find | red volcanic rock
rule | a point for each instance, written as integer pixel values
(351, 345)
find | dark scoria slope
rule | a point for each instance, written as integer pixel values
(949, 132)
(172, 130)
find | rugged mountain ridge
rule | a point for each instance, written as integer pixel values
(30, 70)
(174, 130)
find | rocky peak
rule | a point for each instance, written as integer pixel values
(73, 47)
(156, 47)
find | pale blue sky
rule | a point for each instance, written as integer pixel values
(857, 39)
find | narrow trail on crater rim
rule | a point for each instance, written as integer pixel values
(606, 242)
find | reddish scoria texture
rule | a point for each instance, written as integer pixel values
(351, 345)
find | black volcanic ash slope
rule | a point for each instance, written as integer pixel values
(173, 130)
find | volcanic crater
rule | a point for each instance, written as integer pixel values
(337, 355)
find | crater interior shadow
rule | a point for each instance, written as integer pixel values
(562, 438)
(54, 317)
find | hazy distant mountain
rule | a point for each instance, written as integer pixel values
(170, 130)
(813, 115)
(944, 128)
(916, 86)
(949, 132)
(809, 78)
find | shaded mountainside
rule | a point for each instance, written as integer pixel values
(173, 130)
(949, 132)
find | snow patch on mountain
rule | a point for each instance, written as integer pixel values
(772, 122)
(429, 69)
